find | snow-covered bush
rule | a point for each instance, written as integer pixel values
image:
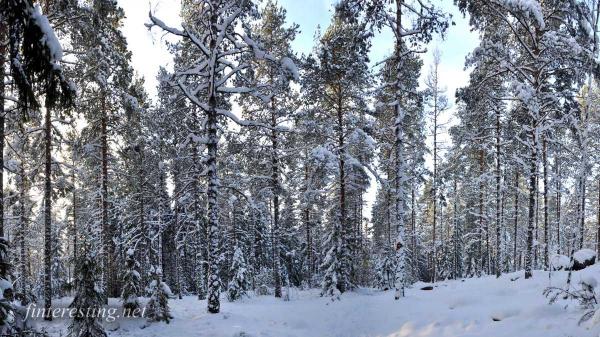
(584, 294)
(560, 262)
(583, 258)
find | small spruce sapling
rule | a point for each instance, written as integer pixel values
(131, 283)
(158, 306)
(239, 284)
(88, 298)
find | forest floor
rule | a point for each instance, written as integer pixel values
(484, 307)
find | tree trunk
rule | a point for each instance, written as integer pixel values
(545, 167)
(481, 219)
(582, 215)
(22, 226)
(400, 275)
(214, 282)
(107, 235)
(598, 228)
(558, 205)
(48, 215)
(532, 197)
(498, 181)
(516, 221)
(74, 232)
(3, 53)
(342, 197)
(306, 214)
(275, 186)
(434, 187)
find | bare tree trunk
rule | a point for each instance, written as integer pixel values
(275, 186)
(74, 232)
(400, 275)
(413, 239)
(306, 212)
(456, 273)
(582, 216)
(22, 226)
(558, 204)
(532, 197)
(498, 181)
(545, 167)
(214, 282)
(3, 33)
(342, 182)
(481, 220)
(516, 221)
(48, 216)
(598, 228)
(434, 187)
(536, 222)
(107, 236)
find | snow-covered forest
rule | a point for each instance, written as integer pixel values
(257, 190)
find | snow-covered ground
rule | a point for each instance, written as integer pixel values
(485, 306)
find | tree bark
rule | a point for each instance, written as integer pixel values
(532, 204)
(498, 181)
(400, 275)
(516, 221)
(22, 226)
(107, 235)
(214, 282)
(342, 197)
(545, 167)
(3, 53)
(275, 186)
(48, 215)
(598, 228)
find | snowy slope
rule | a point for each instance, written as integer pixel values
(453, 308)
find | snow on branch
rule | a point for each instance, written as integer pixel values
(49, 39)
(243, 122)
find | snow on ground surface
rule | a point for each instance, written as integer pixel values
(487, 307)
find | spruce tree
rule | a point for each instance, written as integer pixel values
(131, 282)
(158, 306)
(239, 283)
(88, 297)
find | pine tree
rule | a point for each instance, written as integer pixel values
(438, 103)
(208, 33)
(273, 106)
(412, 23)
(550, 41)
(336, 81)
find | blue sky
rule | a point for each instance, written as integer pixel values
(149, 50)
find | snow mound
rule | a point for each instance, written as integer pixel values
(583, 255)
(589, 280)
(560, 262)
